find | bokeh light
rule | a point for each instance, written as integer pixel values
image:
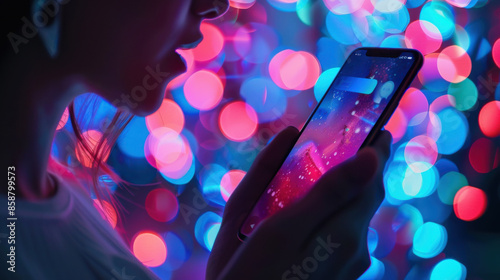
(469, 203)
(414, 3)
(169, 115)
(392, 22)
(206, 228)
(423, 36)
(453, 132)
(440, 15)
(294, 70)
(460, 3)
(162, 205)
(177, 252)
(268, 100)
(242, 4)
(203, 90)
(421, 153)
(429, 75)
(461, 38)
(283, 5)
(230, 181)
(238, 121)
(449, 269)
(489, 119)
(340, 28)
(150, 249)
(388, 5)
(372, 240)
(212, 43)
(406, 222)
(464, 94)
(430, 240)
(397, 125)
(484, 156)
(210, 178)
(454, 64)
(422, 183)
(254, 42)
(495, 52)
(449, 184)
(340, 7)
(414, 105)
(134, 138)
(324, 81)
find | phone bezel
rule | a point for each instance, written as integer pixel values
(386, 114)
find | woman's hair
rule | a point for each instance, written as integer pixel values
(96, 151)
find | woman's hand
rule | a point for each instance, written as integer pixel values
(321, 236)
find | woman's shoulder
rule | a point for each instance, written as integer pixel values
(71, 238)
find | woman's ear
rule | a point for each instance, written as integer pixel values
(46, 16)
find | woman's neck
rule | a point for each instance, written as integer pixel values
(34, 102)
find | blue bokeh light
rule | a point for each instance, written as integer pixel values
(268, 100)
(132, 141)
(449, 269)
(454, 131)
(324, 81)
(429, 240)
(206, 229)
(441, 15)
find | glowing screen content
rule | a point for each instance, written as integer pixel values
(336, 131)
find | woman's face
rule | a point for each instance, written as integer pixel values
(126, 49)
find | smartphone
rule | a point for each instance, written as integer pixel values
(358, 103)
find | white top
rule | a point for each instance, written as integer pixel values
(65, 237)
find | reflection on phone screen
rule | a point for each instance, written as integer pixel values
(336, 131)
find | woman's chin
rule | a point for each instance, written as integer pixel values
(148, 106)
(147, 92)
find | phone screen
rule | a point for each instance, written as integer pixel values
(337, 129)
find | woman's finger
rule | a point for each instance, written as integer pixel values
(339, 186)
(265, 166)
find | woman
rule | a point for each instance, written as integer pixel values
(53, 51)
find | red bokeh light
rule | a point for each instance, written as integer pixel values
(414, 105)
(469, 203)
(162, 205)
(454, 64)
(397, 125)
(230, 181)
(238, 121)
(484, 155)
(495, 52)
(212, 43)
(241, 4)
(203, 90)
(423, 36)
(150, 249)
(489, 119)
(169, 115)
(294, 70)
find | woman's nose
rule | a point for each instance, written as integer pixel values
(210, 8)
